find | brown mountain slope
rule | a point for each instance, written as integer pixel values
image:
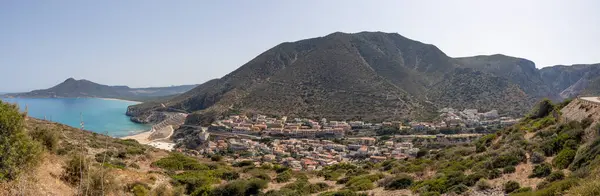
(367, 75)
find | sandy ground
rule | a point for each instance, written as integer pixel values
(144, 138)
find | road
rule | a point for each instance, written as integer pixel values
(592, 99)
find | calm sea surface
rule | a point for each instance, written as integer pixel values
(99, 115)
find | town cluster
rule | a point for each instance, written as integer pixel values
(310, 154)
(305, 144)
(466, 119)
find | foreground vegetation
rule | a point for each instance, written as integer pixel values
(541, 155)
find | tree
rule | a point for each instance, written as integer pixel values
(18, 151)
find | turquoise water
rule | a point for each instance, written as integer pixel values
(99, 115)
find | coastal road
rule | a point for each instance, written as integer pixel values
(592, 99)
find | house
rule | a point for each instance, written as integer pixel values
(377, 159)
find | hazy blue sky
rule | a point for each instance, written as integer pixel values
(157, 43)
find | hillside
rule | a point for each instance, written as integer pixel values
(46, 158)
(85, 88)
(367, 75)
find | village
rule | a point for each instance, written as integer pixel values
(306, 144)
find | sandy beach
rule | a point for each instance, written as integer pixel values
(144, 138)
(113, 99)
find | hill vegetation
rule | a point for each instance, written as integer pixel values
(374, 76)
(544, 154)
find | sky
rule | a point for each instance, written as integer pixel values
(162, 43)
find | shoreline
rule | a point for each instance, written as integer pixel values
(115, 99)
(141, 137)
(144, 139)
(103, 98)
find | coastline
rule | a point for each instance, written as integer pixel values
(123, 100)
(142, 138)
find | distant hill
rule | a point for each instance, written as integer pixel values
(85, 88)
(373, 75)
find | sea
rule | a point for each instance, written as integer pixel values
(105, 116)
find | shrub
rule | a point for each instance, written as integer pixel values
(587, 188)
(555, 176)
(230, 175)
(75, 170)
(140, 189)
(19, 152)
(48, 138)
(99, 182)
(216, 158)
(509, 169)
(511, 186)
(343, 193)
(193, 179)
(541, 170)
(397, 182)
(586, 122)
(283, 177)
(537, 158)
(243, 163)
(459, 189)
(564, 158)
(551, 189)
(430, 194)
(494, 173)
(523, 190)
(177, 161)
(241, 188)
(483, 184)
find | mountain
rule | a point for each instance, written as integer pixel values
(571, 81)
(85, 88)
(373, 75)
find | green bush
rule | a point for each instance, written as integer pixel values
(343, 193)
(243, 163)
(216, 158)
(494, 173)
(537, 158)
(230, 175)
(140, 189)
(19, 152)
(586, 122)
(541, 170)
(283, 177)
(75, 170)
(555, 176)
(177, 161)
(553, 189)
(564, 158)
(483, 184)
(459, 189)
(511, 186)
(587, 188)
(193, 179)
(48, 138)
(523, 190)
(397, 182)
(509, 169)
(241, 188)
(430, 194)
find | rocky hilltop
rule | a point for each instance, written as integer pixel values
(85, 88)
(373, 76)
